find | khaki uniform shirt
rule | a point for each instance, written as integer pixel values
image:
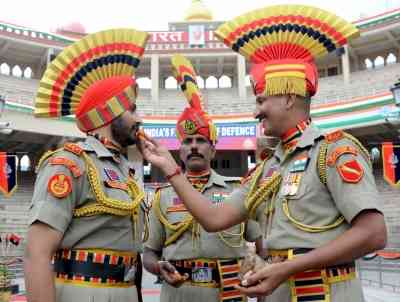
(310, 202)
(104, 231)
(208, 245)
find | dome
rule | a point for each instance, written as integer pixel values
(74, 27)
(198, 12)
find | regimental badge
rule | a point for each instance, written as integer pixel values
(111, 174)
(60, 185)
(218, 197)
(351, 171)
(189, 127)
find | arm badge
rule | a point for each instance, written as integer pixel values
(351, 171)
(59, 185)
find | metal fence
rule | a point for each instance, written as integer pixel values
(381, 273)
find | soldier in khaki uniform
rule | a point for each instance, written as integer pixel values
(315, 198)
(210, 261)
(87, 214)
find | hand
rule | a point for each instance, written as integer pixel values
(157, 155)
(266, 280)
(171, 275)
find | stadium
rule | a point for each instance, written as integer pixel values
(354, 95)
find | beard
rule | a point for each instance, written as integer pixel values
(123, 134)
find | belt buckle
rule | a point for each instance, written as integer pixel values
(202, 274)
(130, 272)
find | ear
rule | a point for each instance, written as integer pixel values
(213, 151)
(290, 101)
(181, 153)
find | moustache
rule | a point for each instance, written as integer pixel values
(260, 117)
(135, 128)
(195, 155)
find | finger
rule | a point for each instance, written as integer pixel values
(166, 276)
(253, 291)
(258, 276)
(151, 140)
(168, 267)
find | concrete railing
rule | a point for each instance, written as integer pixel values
(226, 100)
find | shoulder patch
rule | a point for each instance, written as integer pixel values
(351, 171)
(339, 151)
(44, 157)
(334, 136)
(74, 148)
(69, 163)
(59, 185)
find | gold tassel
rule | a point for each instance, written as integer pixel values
(283, 85)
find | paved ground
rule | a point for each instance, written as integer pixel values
(151, 292)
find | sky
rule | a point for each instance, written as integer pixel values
(154, 15)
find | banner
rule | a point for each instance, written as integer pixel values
(231, 136)
(391, 163)
(8, 173)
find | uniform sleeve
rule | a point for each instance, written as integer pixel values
(53, 205)
(156, 231)
(350, 180)
(238, 197)
(253, 231)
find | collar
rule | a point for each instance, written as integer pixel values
(295, 132)
(216, 179)
(92, 144)
(308, 138)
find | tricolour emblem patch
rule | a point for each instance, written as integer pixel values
(300, 163)
(351, 171)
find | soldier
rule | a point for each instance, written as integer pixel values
(87, 214)
(209, 261)
(315, 198)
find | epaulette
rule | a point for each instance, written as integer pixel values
(339, 134)
(334, 136)
(69, 163)
(44, 157)
(74, 148)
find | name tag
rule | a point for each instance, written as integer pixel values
(202, 274)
